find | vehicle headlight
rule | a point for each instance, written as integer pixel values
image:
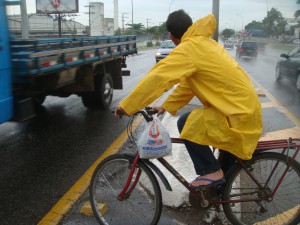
(157, 54)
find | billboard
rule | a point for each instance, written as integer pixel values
(56, 6)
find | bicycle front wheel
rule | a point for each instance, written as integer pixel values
(142, 206)
(283, 208)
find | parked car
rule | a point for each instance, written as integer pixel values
(164, 49)
(295, 41)
(289, 66)
(229, 44)
(247, 49)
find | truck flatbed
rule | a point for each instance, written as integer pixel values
(36, 57)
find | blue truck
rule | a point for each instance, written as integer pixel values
(30, 70)
(258, 36)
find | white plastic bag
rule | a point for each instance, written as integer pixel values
(155, 141)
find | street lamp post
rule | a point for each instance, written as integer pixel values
(215, 11)
(233, 24)
(132, 16)
(170, 5)
(242, 21)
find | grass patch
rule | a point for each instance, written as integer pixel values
(281, 47)
(141, 48)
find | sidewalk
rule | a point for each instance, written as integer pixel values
(177, 209)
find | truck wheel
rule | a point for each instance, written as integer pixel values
(102, 96)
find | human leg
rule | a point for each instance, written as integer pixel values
(226, 160)
(204, 161)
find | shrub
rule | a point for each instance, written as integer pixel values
(149, 44)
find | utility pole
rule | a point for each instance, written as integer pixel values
(89, 12)
(148, 22)
(215, 11)
(123, 17)
(59, 25)
(24, 20)
(147, 29)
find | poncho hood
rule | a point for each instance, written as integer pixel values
(203, 27)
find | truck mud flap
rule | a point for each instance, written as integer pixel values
(24, 109)
(125, 73)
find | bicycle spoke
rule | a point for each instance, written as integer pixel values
(283, 208)
(142, 206)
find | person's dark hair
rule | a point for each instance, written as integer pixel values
(178, 22)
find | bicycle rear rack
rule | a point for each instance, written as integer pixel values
(276, 144)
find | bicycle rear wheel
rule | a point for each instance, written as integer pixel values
(284, 208)
(144, 204)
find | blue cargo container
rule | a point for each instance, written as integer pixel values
(6, 99)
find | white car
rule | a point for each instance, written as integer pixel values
(229, 44)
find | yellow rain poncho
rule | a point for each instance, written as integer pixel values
(231, 118)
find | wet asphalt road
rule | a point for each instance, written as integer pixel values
(42, 158)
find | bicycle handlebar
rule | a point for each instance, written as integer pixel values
(147, 113)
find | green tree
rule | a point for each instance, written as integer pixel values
(254, 25)
(297, 13)
(135, 28)
(158, 32)
(274, 23)
(227, 33)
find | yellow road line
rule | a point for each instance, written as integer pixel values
(265, 105)
(282, 218)
(282, 134)
(275, 102)
(66, 202)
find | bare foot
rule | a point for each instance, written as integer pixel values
(213, 176)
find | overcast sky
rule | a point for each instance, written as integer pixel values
(233, 13)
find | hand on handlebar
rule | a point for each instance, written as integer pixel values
(160, 110)
(119, 112)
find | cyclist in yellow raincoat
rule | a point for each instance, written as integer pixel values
(231, 117)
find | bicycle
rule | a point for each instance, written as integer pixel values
(263, 190)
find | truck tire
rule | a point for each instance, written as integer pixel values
(102, 96)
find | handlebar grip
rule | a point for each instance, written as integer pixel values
(119, 113)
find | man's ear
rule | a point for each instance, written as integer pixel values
(175, 40)
(171, 37)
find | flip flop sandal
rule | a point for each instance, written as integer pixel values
(211, 184)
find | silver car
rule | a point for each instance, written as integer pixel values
(164, 49)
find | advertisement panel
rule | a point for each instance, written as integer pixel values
(56, 6)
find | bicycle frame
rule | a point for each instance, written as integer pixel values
(262, 146)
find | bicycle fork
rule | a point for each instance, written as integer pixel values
(124, 193)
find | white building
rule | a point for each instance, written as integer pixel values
(99, 25)
(44, 25)
(293, 22)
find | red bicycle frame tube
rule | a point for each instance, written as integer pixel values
(133, 166)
